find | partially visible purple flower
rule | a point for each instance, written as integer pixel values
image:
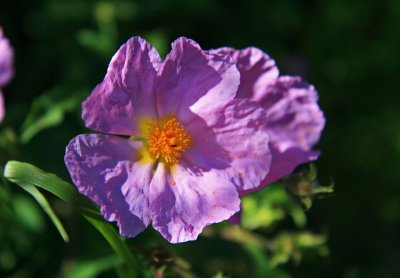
(6, 67)
(198, 144)
(293, 118)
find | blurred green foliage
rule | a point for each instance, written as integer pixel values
(347, 49)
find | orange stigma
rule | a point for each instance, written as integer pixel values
(167, 139)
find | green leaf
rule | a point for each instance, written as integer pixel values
(265, 208)
(26, 175)
(48, 111)
(46, 207)
(261, 263)
(115, 241)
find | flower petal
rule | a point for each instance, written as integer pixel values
(236, 219)
(108, 170)
(127, 92)
(234, 141)
(284, 163)
(256, 70)
(183, 203)
(192, 81)
(294, 118)
(6, 60)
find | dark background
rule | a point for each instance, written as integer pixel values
(349, 49)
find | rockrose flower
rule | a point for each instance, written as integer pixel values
(294, 120)
(6, 67)
(183, 144)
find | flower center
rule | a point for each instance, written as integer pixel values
(167, 139)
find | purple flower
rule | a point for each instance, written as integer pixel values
(293, 118)
(192, 144)
(6, 67)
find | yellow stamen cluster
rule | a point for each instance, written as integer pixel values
(167, 139)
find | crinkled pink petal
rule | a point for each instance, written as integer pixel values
(106, 169)
(294, 123)
(284, 163)
(294, 118)
(256, 70)
(6, 60)
(232, 142)
(127, 92)
(184, 202)
(2, 109)
(192, 81)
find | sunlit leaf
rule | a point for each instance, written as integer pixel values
(265, 208)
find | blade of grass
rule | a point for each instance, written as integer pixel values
(115, 242)
(23, 173)
(16, 171)
(46, 207)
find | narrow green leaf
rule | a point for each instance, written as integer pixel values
(23, 173)
(46, 207)
(116, 243)
(48, 110)
(18, 172)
